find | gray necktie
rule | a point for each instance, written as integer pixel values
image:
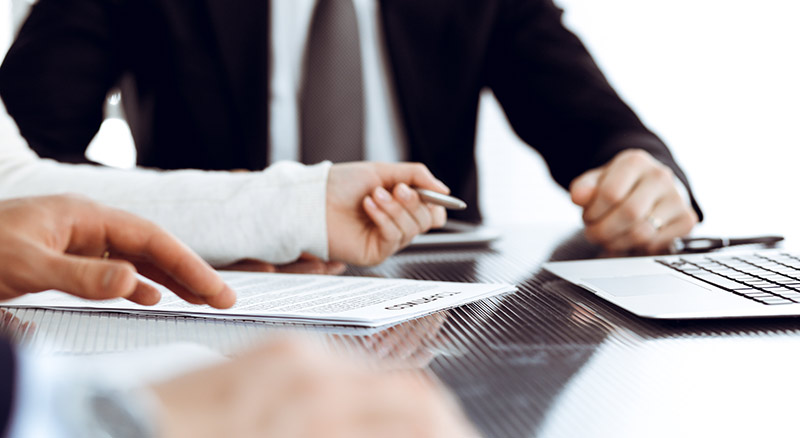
(332, 103)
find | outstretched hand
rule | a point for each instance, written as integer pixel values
(92, 251)
(633, 204)
(372, 211)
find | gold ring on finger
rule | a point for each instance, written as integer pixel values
(656, 222)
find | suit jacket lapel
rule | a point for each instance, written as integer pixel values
(242, 31)
(422, 75)
(438, 85)
(395, 19)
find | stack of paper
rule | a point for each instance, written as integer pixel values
(321, 299)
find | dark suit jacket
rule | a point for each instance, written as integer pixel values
(7, 377)
(194, 79)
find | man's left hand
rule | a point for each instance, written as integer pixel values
(306, 264)
(633, 204)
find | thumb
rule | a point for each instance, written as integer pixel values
(93, 279)
(583, 188)
(412, 174)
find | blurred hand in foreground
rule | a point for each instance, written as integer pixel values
(289, 389)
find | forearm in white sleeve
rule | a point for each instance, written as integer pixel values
(272, 215)
(58, 398)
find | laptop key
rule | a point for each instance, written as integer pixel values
(753, 293)
(774, 300)
(758, 278)
(761, 297)
(719, 280)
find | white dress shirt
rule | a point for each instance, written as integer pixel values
(384, 135)
(272, 215)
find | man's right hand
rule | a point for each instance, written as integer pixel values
(58, 242)
(372, 210)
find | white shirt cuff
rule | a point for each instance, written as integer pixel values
(294, 201)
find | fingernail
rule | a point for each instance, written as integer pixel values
(403, 192)
(442, 186)
(383, 195)
(336, 268)
(370, 203)
(108, 278)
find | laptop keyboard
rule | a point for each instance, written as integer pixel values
(772, 279)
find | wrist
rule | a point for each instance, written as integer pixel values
(301, 224)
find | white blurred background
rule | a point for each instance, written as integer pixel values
(718, 80)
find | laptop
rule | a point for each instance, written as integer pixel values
(711, 285)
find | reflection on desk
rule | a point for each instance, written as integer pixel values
(551, 360)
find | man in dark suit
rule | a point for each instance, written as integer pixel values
(203, 87)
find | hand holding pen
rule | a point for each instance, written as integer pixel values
(375, 209)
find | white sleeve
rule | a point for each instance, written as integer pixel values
(58, 397)
(34, 411)
(272, 215)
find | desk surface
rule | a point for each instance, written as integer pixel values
(550, 360)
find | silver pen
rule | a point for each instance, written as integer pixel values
(703, 244)
(439, 199)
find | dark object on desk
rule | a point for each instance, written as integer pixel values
(456, 233)
(704, 244)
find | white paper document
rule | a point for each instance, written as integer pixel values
(320, 299)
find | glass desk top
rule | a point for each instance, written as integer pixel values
(549, 360)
